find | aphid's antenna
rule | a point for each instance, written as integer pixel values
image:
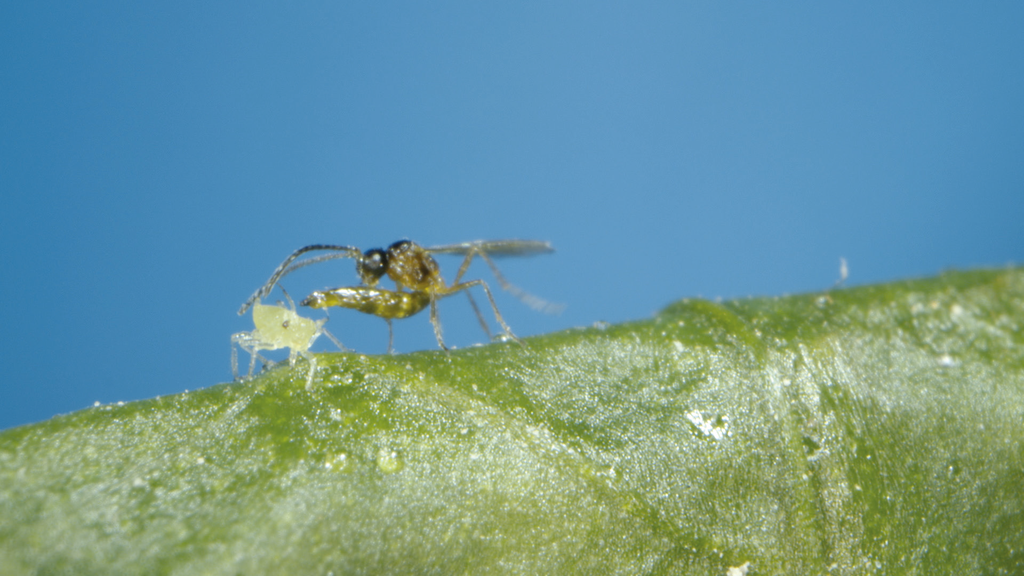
(283, 269)
(291, 303)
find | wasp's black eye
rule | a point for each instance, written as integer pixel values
(372, 265)
(399, 247)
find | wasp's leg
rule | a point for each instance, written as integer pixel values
(490, 298)
(465, 264)
(436, 322)
(534, 302)
(391, 337)
(479, 315)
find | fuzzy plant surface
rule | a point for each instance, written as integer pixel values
(870, 430)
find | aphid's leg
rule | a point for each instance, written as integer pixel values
(291, 303)
(479, 316)
(245, 341)
(253, 354)
(234, 358)
(436, 322)
(335, 340)
(312, 369)
(265, 364)
(490, 298)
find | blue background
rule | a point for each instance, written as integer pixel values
(157, 162)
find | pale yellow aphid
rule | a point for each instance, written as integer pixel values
(279, 327)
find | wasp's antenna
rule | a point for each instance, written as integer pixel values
(283, 269)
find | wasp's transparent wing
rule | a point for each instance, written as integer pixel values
(487, 249)
(496, 248)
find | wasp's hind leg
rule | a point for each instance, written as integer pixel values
(479, 315)
(535, 302)
(436, 323)
(391, 336)
(494, 306)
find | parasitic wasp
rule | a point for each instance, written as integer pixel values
(417, 278)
